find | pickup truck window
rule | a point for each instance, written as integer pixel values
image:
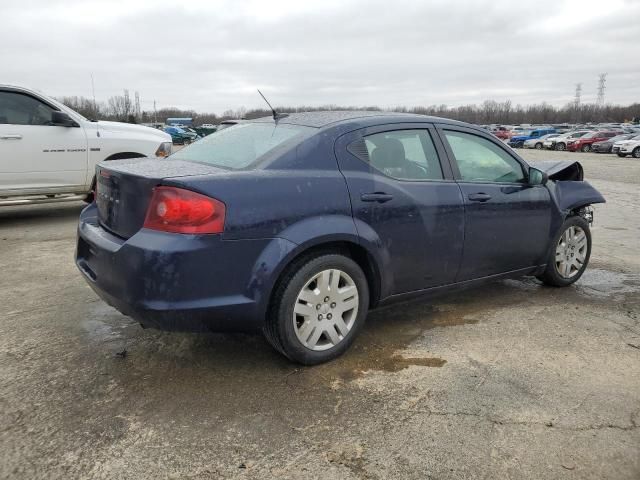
(19, 109)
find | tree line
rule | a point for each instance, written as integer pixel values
(122, 108)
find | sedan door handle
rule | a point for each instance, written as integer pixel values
(379, 197)
(10, 137)
(479, 197)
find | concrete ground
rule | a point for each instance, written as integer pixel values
(514, 380)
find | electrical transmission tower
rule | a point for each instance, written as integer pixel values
(602, 78)
(576, 100)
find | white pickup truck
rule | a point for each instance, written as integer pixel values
(48, 152)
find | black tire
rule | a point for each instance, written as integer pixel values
(551, 276)
(279, 325)
(91, 196)
(586, 148)
(636, 152)
(561, 147)
(538, 146)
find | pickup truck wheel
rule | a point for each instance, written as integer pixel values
(636, 152)
(91, 196)
(538, 146)
(569, 255)
(317, 309)
(561, 146)
(586, 148)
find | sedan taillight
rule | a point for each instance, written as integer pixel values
(178, 210)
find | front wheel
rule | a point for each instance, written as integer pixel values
(317, 309)
(538, 146)
(561, 147)
(636, 152)
(569, 255)
(586, 148)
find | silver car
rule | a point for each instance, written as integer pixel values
(560, 142)
(537, 143)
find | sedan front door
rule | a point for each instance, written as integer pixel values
(507, 221)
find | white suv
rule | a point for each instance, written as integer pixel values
(628, 147)
(48, 152)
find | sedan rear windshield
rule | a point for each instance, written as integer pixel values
(241, 146)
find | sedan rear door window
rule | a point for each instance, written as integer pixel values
(404, 154)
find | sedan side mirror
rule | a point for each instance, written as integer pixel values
(62, 119)
(537, 177)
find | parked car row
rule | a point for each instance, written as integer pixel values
(598, 140)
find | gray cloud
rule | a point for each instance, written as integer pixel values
(210, 56)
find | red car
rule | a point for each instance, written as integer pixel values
(502, 133)
(584, 143)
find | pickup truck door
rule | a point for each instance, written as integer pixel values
(36, 156)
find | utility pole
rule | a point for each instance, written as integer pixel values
(155, 113)
(602, 78)
(95, 105)
(576, 101)
(137, 107)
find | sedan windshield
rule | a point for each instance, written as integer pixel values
(242, 145)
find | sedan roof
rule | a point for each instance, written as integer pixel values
(326, 118)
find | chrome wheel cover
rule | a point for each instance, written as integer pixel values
(325, 310)
(571, 251)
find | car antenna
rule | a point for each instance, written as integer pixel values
(275, 114)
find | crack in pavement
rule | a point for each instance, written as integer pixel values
(547, 424)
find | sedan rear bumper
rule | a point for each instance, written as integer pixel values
(178, 282)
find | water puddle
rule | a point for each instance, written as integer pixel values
(605, 283)
(105, 324)
(388, 332)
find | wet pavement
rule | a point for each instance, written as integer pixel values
(512, 380)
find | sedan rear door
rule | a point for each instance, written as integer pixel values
(404, 199)
(507, 221)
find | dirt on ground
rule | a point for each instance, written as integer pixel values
(511, 380)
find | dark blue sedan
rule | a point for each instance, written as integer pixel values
(297, 226)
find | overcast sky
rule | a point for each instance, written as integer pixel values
(211, 55)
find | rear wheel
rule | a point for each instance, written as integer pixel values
(586, 148)
(636, 152)
(561, 146)
(570, 253)
(538, 146)
(317, 309)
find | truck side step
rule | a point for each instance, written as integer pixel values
(74, 197)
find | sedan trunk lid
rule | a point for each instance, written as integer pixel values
(124, 187)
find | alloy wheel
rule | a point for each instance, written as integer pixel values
(571, 251)
(325, 310)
